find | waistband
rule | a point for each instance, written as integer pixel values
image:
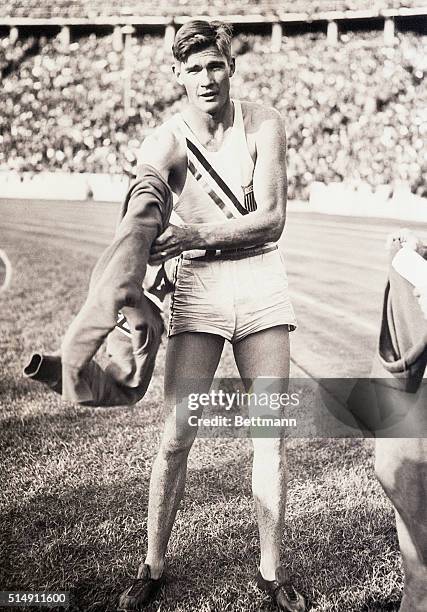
(242, 253)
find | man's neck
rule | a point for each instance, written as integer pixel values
(211, 123)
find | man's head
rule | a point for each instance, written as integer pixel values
(203, 62)
(198, 35)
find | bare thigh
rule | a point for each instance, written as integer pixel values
(191, 361)
(265, 353)
(263, 363)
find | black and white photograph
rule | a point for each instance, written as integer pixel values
(213, 306)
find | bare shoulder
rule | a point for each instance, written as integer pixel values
(161, 149)
(161, 142)
(257, 117)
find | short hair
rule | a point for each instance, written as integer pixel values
(197, 35)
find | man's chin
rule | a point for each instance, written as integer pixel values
(209, 104)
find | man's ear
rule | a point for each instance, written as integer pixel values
(176, 69)
(232, 65)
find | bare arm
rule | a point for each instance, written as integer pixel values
(270, 190)
(162, 151)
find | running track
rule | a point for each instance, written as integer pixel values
(336, 267)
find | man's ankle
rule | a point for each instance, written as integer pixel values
(268, 573)
(156, 569)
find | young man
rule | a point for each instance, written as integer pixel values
(225, 161)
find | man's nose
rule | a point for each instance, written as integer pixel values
(206, 76)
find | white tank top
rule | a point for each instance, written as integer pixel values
(218, 186)
(216, 182)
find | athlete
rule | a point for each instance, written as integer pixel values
(225, 162)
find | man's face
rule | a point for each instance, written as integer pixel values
(206, 78)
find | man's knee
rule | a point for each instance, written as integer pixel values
(401, 463)
(175, 446)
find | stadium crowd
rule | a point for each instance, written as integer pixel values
(354, 111)
(95, 8)
(12, 54)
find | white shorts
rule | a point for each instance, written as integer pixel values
(231, 298)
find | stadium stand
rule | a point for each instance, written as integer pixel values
(354, 112)
(95, 8)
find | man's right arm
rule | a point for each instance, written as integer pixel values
(161, 150)
(116, 280)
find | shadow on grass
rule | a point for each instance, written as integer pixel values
(90, 539)
(59, 422)
(82, 541)
(66, 424)
(13, 388)
(336, 566)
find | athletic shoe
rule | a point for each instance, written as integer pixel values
(282, 591)
(140, 593)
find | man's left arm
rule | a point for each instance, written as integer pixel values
(263, 225)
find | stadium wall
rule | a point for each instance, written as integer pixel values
(334, 199)
(386, 202)
(63, 186)
(277, 21)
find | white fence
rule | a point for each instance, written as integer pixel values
(335, 198)
(360, 201)
(63, 186)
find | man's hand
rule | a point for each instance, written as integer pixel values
(406, 238)
(172, 242)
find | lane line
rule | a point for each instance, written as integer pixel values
(50, 224)
(363, 232)
(336, 312)
(368, 224)
(46, 231)
(336, 261)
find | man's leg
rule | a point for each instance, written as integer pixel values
(266, 353)
(194, 356)
(401, 467)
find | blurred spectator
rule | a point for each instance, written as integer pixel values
(12, 54)
(354, 112)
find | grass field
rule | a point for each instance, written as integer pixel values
(75, 480)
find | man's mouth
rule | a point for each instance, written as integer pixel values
(208, 94)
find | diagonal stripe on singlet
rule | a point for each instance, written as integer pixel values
(210, 192)
(215, 176)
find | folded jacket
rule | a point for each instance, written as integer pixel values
(123, 381)
(115, 292)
